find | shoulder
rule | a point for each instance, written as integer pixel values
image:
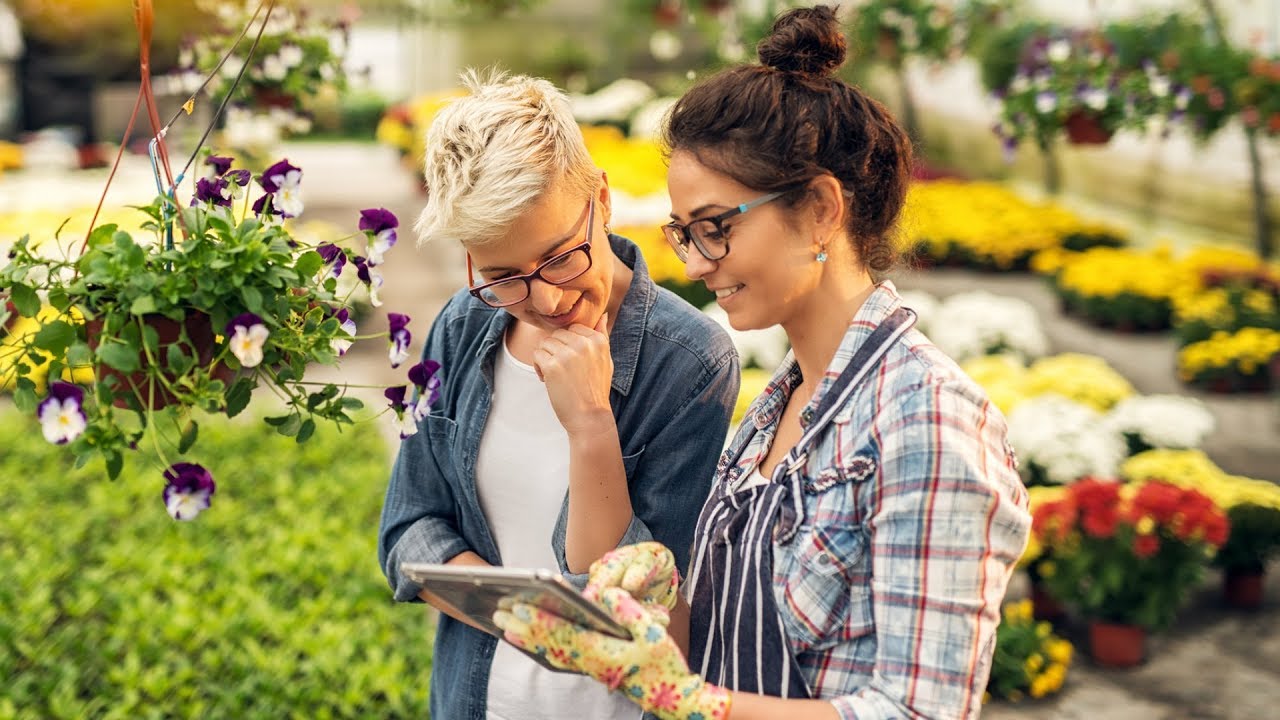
(459, 328)
(918, 379)
(678, 332)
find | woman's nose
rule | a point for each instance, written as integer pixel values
(696, 267)
(544, 296)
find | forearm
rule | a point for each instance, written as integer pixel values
(746, 706)
(599, 505)
(435, 601)
(678, 628)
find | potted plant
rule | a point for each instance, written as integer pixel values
(1030, 660)
(270, 62)
(1126, 559)
(208, 306)
(1231, 362)
(1252, 507)
(1073, 82)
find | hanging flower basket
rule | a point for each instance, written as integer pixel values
(194, 338)
(1085, 128)
(1116, 644)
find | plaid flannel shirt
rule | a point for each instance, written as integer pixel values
(915, 516)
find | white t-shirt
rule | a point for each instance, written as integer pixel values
(521, 499)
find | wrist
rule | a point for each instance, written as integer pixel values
(693, 698)
(594, 426)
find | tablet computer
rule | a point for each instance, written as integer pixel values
(478, 591)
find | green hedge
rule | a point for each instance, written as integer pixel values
(269, 605)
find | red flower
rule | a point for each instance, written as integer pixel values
(1144, 546)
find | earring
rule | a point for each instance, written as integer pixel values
(608, 230)
(822, 253)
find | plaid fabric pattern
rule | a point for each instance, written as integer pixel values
(890, 592)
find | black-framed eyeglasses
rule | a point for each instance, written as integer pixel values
(709, 234)
(557, 270)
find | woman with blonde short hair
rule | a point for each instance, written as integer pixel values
(581, 406)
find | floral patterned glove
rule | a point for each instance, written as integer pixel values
(649, 669)
(647, 570)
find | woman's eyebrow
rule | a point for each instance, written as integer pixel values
(700, 210)
(554, 249)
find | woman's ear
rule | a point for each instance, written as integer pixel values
(827, 204)
(604, 200)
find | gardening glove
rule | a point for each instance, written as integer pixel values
(649, 669)
(647, 570)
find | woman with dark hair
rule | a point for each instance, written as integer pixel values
(865, 519)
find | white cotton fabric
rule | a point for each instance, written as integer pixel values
(522, 476)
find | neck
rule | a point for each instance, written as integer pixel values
(816, 330)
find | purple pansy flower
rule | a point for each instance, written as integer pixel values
(341, 345)
(399, 338)
(406, 423)
(214, 191)
(425, 377)
(189, 490)
(379, 225)
(247, 334)
(334, 258)
(62, 413)
(371, 278)
(219, 165)
(283, 182)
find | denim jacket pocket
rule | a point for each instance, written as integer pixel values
(825, 590)
(632, 461)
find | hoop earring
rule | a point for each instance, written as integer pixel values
(608, 230)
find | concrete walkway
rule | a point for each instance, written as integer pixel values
(1216, 664)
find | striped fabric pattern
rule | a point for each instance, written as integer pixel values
(913, 518)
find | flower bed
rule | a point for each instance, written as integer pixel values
(1030, 660)
(986, 226)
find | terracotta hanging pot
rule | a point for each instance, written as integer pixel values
(1242, 589)
(1116, 644)
(201, 340)
(12, 318)
(1084, 128)
(265, 97)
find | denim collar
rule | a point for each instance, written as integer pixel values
(628, 328)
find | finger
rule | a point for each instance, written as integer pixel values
(627, 611)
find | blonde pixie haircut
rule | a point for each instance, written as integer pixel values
(492, 154)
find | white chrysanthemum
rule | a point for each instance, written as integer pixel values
(614, 102)
(1162, 421)
(976, 323)
(1066, 439)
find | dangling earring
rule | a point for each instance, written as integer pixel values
(822, 253)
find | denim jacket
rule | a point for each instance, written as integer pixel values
(675, 382)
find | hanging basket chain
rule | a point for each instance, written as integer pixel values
(144, 18)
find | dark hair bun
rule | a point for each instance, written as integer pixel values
(805, 40)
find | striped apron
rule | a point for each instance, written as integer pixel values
(736, 636)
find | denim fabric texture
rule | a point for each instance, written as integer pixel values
(675, 381)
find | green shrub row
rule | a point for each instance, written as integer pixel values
(268, 605)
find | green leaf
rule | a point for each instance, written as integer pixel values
(309, 263)
(189, 435)
(79, 354)
(350, 403)
(291, 425)
(25, 299)
(178, 360)
(115, 463)
(143, 305)
(24, 395)
(55, 337)
(118, 356)
(252, 299)
(306, 430)
(276, 420)
(238, 396)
